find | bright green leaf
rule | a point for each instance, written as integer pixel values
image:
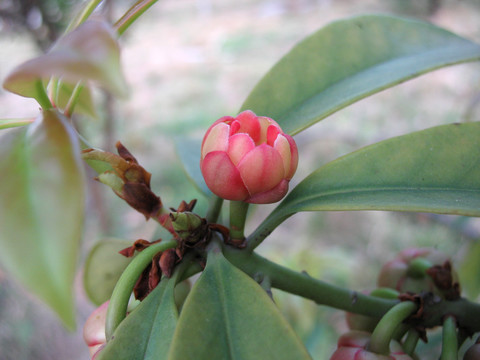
(10, 123)
(88, 53)
(42, 209)
(103, 267)
(147, 332)
(188, 151)
(435, 170)
(229, 316)
(349, 60)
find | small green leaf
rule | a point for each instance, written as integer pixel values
(229, 316)
(349, 60)
(84, 106)
(42, 209)
(88, 53)
(147, 332)
(188, 151)
(103, 267)
(435, 170)
(10, 123)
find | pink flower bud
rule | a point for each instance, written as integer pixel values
(353, 346)
(94, 329)
(248, 158)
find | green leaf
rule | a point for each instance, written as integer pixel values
(11, 123)
(84, 105)
(42, 209)
(434, 170)
(469, 269)
(188, 151)
(103, 268)
(229, 316)
(88, 53)
(349, 60)
(147, 332)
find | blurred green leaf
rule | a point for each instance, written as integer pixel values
(188, 151)
(84, 105)
(147, 332)
(229, 316)
(434, 170)
(10, 123)
(469, 270)
(88, 53)
(42, 209)
(349, 60)
(103, 267)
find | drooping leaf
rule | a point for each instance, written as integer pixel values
(435, 170)
(11, 123)
(229, 316)
(349, 60)
(103, 267)
(147, 332)
(42, 209)
(188, 151)
(88, 53)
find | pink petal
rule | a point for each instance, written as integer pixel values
(249, 124)
(222, 177)
(272, 134)
(216, 139)
(239, 145)
(271, 196)
(294, 156)
(261, 169)
(264, 122)
(283, 147)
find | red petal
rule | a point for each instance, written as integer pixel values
(238, 146)
(249, 124)
(261, 169)
(271, 196)
(222, 177)
(272, 133)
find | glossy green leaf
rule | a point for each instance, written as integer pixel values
(11, 123)
(229, 316)
(103, 267)
(42, 209)
(435, 170)
(188, 151)
(349, 60)
(147, 332)
(88, 53)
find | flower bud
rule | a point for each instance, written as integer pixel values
(353, 346)
(94, 329)
(248, 158)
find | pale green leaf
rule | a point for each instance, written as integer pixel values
(103, 268)
(349, 60)
(42, 209)
(11, 123)
(229, 316)
(88, 53)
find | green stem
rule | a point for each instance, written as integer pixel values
(449, 339)
(214, 208)
(304, 285)
(383, 333)
(411, 342)
(117, 309)
(84, 15)
(238, 215)
(42, 96)
(133, 14)
(417, 268)
(264, 229)
(73, 99)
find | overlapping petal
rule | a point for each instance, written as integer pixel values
(248, 158)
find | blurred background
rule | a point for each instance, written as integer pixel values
(189, 62)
